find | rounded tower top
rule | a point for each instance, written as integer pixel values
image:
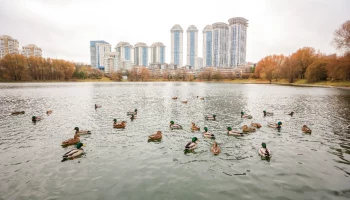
(121, 44)
(220, 25)
(157, 44)
(140, 44)
(176, 27)
(208, 28)
(238, 20)
(192, 28)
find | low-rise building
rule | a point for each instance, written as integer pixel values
(8, 45)
(31, 50)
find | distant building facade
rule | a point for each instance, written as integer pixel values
(192, 46)
(220, 35)
(141, 54)
(237, 41)
(111, 62)
(199, 63)
(97, 52)
(157, 53)
(176, 45)
(125, 51)
(31, 50)
(8, 45)
(208, 46)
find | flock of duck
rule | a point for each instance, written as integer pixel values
(264, 152)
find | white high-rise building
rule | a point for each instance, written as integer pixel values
(237, 41)
(31, 50)
(199, 62)
(220, 46)
(157, 53)
(208, 46)
(97, 53)
(141, 54)
(111, 62)
(176, 45)
(8, 45)
(192, 46)
(125, 51)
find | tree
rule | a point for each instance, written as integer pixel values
(269, 67)
(342, 37)
(143, 73)
(303, 59)
(317, 71)
(116, 76)
(14, 66)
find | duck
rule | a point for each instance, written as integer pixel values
(306, 129)
(174, 98)
(243, 115)
(210, 117)
(132, 112)
(206, 134)
(215, 149)
(71, 141)
(36, 118)
(233, 132)
(133, 117)
(191, 145)
(256, 125)
(264, 152)
(49, 112)
(194, 127)
(97, 106)
(202, 98)
(81, 132)
(267, 113)
(18, 113)
(291, 113)
(120, 125)
(247, 129)
(174, 126)
(155, 137)
(184, 101)
(74, 152)
(275, 125)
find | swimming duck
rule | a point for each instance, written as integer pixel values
(207, 134)
(133, 117)
(306, 129)
(256, 125)
(202, 98)
(36, 118)
(245, 115)
(17, 113)
(97, 106)
(291, 113)
(174, 126)
(132, 113)
(121, 125)
(215, 149)
(184, 101)
(264, 152)
(210, 117)
(155, 137)
(247, 129)
(275, 125)
(194, 127)
(233, 132)
(267, 113)
(71, 141)
(49, 112)
(191, 145)
(81, 132)
(174, 98)
(74, 152)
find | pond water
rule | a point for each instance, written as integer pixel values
(121, 164)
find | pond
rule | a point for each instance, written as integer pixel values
(122, 164)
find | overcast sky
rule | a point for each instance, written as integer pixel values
(63, 28)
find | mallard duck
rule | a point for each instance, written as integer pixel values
(267, 113)
(207, 134)
(306, 129)
(71, 141)
(210, 117)
(132, 112)
(194, 127)
(74, 152)
(247, 129)
(215, 149)
(49, 112)
(174, 98)
(202, 98)
(191, 145)
(243, 115)
(81, 132)
(133, 117)
(36, 118)
(184, 101)
(233, 132)
(120, 125)
(264, 152)
(256, 125)
(97, 106)
(174, 126)
(155, 137)
(291, 113)
(18, 113)
(275, 125)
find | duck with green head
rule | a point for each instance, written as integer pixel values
(210, 117)
(233, 132)
(120, 125)
(264, 152)
(206, 134)
(81, 132)
(174, 126)
(267, 113)
(74, 152)
(243, 115)
(192, 145)
(132, 112)
(275, 125)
